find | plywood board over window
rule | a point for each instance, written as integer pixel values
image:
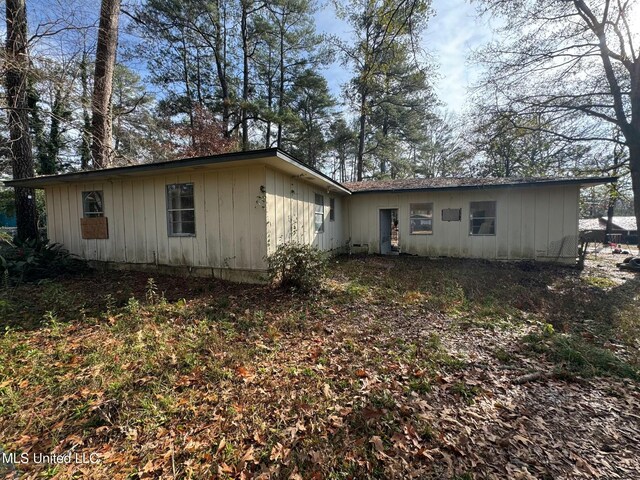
(94, 228)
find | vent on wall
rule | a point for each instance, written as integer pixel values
(451, 214)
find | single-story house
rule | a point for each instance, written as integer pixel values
(624, 229)
(222, 215)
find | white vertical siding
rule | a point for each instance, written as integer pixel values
(230, 220)
(290, 204)
(532, 223)
(244, 213)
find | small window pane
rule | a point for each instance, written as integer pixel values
(181, 209)
(319, 213)
(482, 218)
(421, 218)
(92, 204)
(332, 209)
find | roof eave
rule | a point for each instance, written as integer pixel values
(578, 181)
(281, 154)
(90, 175)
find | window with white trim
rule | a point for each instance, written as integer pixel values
(181, 219)
(92, 204)
(421, 218)
(482, 218)
(319, 213)
(332, 209)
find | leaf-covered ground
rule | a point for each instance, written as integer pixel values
(401, 367)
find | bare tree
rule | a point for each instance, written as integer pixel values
(103, 83)
(578, 62)
(17, 65)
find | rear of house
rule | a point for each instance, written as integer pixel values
(223, 215)
(215, 216)
(502, 219)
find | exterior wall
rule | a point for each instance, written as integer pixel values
(538, 223)
(290, 204)
(230, 220)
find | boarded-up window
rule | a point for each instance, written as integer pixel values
(94, 228)
(92, 204)
(332, 209)
(482, 218)
(319, 213)
(451, 214)
(181, 217)
(421, 218)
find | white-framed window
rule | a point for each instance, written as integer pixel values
(181, 214)
(92, 204)
(332, 209)
(319, 213)
(482, 218)
(421, 218)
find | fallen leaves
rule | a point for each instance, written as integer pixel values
(235, 386)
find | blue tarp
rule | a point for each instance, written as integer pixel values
(6, 221)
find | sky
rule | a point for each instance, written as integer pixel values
(452, 33)
(450, 37)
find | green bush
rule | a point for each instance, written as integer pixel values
(298, 267)
(30, 260)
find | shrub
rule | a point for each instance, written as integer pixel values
(34, 259)
(297, 266)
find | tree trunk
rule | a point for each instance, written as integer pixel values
(610, 208)
(103, 83)
(17, 63)
(634, 164)
(187, 92)
(281, 86)
(363, 124)
(267, 135)
(245, 78)
(85, 146)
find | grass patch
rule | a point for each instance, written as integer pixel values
(577, 356)
(467, 393)
(600, 282)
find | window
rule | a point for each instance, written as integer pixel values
(482, 218)
(421, 218)
(180, 210)
(319, 213)
(92, 204)
(451, 214)
(332, 209)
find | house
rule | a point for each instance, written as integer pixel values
(623, 229)
(222, 215)
(7, 210)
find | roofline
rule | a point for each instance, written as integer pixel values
(549, 182)
(281, 154)
(35, 182)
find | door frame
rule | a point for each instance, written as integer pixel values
(380, 209)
